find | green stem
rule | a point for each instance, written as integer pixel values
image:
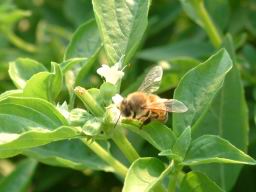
(208, 24)
(159, 188)
(119, 168)
(118, 137)
(166, 172)
(89, 101)
(174, 178)
(124, 145)
(19, 42)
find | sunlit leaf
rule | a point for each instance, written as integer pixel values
(198, 182)
(198, 88)
(85, 43)
(23, 69)
(182, 143)
(177, 50)
(157, 134)
(121, 25)
(142, 173)
(69, 153)
(29, 122)
(45, 85)
(214, 149)
(220, 120)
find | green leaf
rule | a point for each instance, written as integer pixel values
(121, 25)
(227, 118)
(191, 7)
(169, 153)
(78, 11)
(68, 64)
(85, 43)
(45, 85)
(156, 133)
(19, 179)
(182, 143)
(174, 71)
(198, 182)
(142, 173)
(198, 88)
(23, 69)
(159, 135)
(29, 122)
(107, 91)
(78, 116)
(180, 147)
(68, 153)
(15, 93)
(162, 16)
(214, 149)
(250, 19)
(248, 69)
(179, 50)
(92, 127)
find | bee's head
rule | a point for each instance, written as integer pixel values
(125, 108)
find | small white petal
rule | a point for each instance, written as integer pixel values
(117, 99)
(103, 70)
(111, 74)
(114, 76)
(115, 113)
(63, 109)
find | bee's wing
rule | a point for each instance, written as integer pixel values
(152, 80)
(171, 105)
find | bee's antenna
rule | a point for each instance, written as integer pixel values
(117, 120)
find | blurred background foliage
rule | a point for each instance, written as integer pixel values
(42, 29)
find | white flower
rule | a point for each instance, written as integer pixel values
(113, 109)
(117, 99)
(63, 109)
(111, 74)
(114, 113)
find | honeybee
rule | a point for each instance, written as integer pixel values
(145, 106)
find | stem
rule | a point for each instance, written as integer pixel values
(19, 42)
(162, 176)
(208, 24)
(118, 137)
(166, 171)
(159, 188)
(174, 177)
(124, 145)
(119, 168)
(89, 101)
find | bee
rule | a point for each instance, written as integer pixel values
(144, 105)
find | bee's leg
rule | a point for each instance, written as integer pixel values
(165, 118)
(145, 119)
(141, 126)
(145, 122)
